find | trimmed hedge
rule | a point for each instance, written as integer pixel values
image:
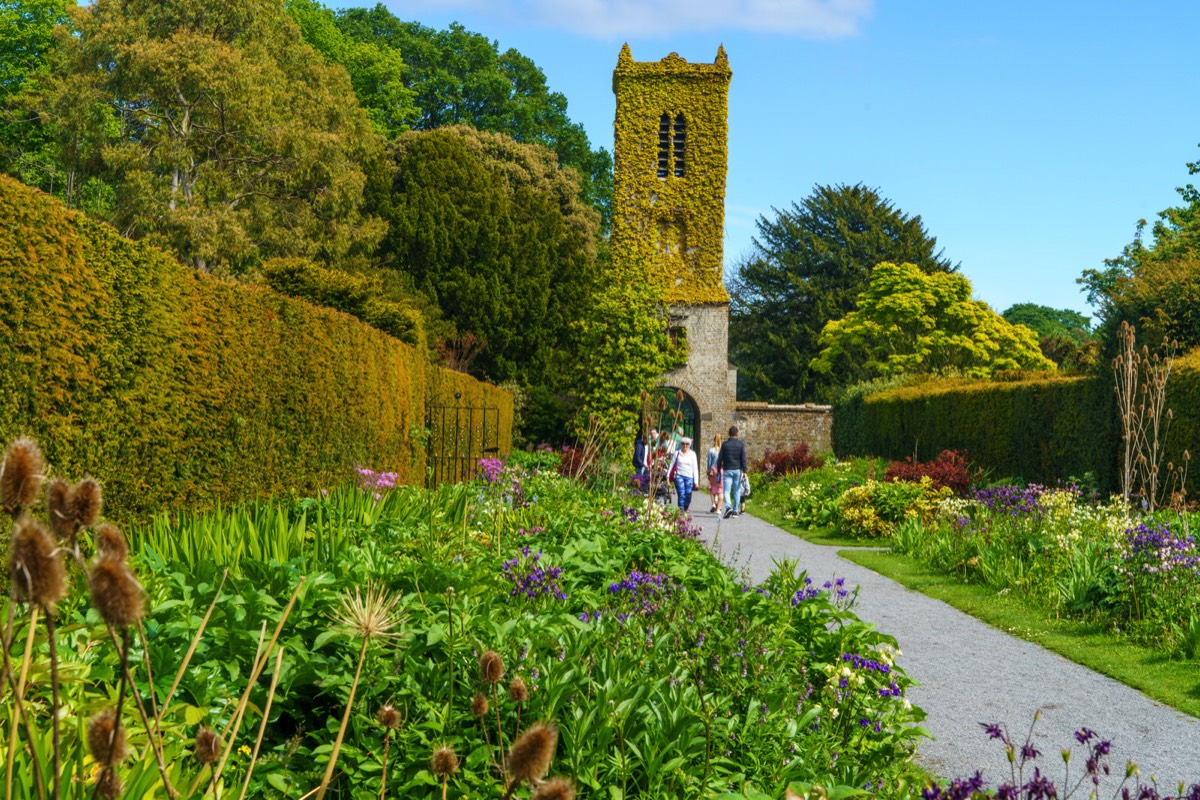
(174, 388)
(1040, 430)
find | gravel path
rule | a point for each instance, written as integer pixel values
(971, 672)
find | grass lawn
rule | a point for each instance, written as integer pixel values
(1175, 683)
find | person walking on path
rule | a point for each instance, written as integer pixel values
(732, 463)
(640, 462)
(687, 470)
(715, 490)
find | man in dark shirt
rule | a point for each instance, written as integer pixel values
(732, 460)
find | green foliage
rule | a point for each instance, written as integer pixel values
(1154, 286)
(873, 510)
(220, 135)
(493, 232)
(376, 71)
(908, 321)
(361, 296)
(178, 389)
(1065, 336)
(742, 684)
(623, 351)
(457, 77)
(848, 433)
(808, 266)
(1038, 429)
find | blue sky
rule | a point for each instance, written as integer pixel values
(1029, 136)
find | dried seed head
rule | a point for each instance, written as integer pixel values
(491, 667)
(108, 784)
(518, 692)
(555, 789)
(21, 475)
(86, 499)
(116, 593)
(479, 705)
(208, 746)
(679, 395)
(532, 753)
(662, 404)
(110, 542)
(58, 504)
(444, 762)
(37, 570)
(106, 740)
(388, 717)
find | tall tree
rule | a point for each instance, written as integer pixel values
(224, 137)
(911, 322)
(376, 70)
(1154, 286)
(494, 232)
(807, 267)
(1065, 336)
(460, 77)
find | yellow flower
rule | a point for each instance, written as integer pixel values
(244, 749)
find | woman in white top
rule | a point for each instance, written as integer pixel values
(687, 470)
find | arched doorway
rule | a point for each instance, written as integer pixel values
(689, 413)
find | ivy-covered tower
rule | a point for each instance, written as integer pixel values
(670, 159)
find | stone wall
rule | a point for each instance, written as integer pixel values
(765, 427)
(706, 377)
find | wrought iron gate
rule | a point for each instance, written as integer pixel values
(458, 437)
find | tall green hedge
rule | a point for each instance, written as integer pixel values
(174, 388)
(1039, 430)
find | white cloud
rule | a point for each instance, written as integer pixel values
(636, 19)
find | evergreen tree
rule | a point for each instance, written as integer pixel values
(807, 267)
(494, 233)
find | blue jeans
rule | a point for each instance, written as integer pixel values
(733, 488)
(683, 491)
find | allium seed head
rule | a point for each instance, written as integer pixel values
(479, 705)
(106, 740)
(21, 475)
(58, 504)
(116, 593)
(491, 667)
(532, 753)
(444, 762)
(388, 717)
(108, 784)
(208, 746)
(86, 499)
(518, 692)
(110, 542)
(555, 789)
(37, 570)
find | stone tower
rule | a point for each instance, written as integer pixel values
(670, 162)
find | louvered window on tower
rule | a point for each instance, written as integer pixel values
(664, 145)
(680, 143)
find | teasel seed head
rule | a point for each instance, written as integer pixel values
(37, 569)
(479, 705)
(100, 737)
(388, 717)
(21, 475)
(86, 500)
(110, 542)
(58, 506)
(108, 784)
(491, 667)
(116, 593)
(531, 754)
(518, 692)
(208, 746)
(555, 789)
(444, 762)
(662, 404)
